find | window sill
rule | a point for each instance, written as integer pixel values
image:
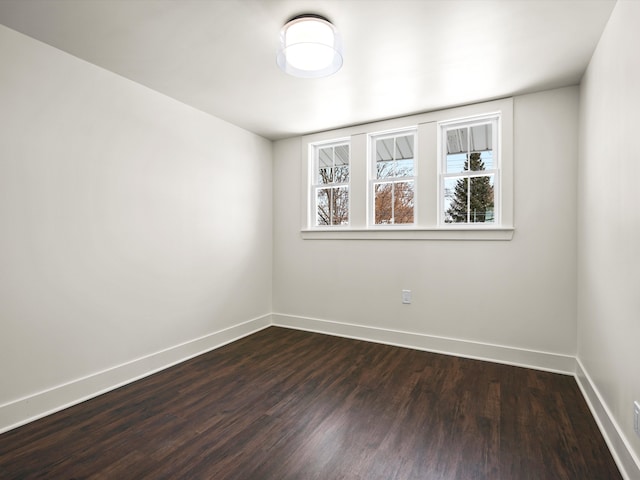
(460, 233)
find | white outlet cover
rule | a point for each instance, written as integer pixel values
(636, 417)
(406, 296)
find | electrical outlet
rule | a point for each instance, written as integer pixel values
(406, 296)
(636, 417)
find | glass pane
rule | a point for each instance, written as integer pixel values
(456, 162)
(481, 202)
(455, 199)
(325, 175)
(457, 140)
(383, 211)
(385, 169)
(385, 166)
(325, 165)
(404, 156)
(403, 202)
(469, 149)
(341, 169)
(384, 149)
(323, 213)
(475, 163)
(340, 206)
(404, 147)
(341, 174)
(395, 156)
(487, 159)
(342, 155)
(481, 138)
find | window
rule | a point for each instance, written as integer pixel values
(392, 186)
(445, 175)
(469, 178)
(331, 184)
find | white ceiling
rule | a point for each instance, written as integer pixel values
(401, 56)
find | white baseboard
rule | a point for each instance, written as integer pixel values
(38, 405)
(627, 461)
(551, 362)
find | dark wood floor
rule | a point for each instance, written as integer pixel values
(283, 404)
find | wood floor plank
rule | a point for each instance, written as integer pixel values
(285, 404)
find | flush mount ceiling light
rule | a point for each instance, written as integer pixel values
(310, 47)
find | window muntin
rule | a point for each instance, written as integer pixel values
(469, 181)
(392, 184)
(330, 185)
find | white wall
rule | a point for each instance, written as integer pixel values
(609, 225)
(518, 293)
(130, 223)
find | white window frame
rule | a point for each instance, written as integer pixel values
(373, 180)
(494, 119)
(428, 223)
(314, 149)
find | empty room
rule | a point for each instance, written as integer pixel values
(319, 239)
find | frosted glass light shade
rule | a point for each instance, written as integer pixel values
(310, 47)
